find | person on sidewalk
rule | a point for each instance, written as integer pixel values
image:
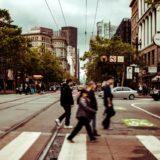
(109, 110)
(84, 115)
(66, 101)
(93, 102)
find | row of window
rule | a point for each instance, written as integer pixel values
(149, 58)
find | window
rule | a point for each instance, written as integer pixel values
(149, 58)
(126, 89)
(118, 89)
(153, 57)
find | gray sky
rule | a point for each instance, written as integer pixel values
(29, 13)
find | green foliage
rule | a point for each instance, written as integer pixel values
(97, 70)
(17, 54)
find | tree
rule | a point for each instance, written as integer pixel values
(97, 70)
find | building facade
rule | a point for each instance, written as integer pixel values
(60, 49)
(41, 38)
(134, 21)
(149, 25)
(124, 30)
(71, 36)
(105, 30)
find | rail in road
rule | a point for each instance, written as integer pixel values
(26, 120)
(15, 105)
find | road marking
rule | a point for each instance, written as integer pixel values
(151, 114)
(74, 151)
(18, 147)
(120, 108)
(138, 123)
(152, 144)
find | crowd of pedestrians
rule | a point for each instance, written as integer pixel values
(87, 108)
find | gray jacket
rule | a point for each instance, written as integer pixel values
(84, 109)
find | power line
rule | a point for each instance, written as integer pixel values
(52, 14)
(95, 17)
(62, 12)
(86, 19)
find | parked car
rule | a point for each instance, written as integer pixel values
(122, 92)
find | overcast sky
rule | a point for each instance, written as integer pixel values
(30, 13)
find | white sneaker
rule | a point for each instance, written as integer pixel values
(68, 127)
(58, 123)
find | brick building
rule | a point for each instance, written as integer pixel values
(124, 30)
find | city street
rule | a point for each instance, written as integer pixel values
(133, 129)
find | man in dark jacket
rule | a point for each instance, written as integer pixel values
(66, 101)
(108, 102)
(93, 102)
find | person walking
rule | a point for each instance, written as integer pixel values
(93, 102)
(109, 110)
(66, 100)
(84, 114)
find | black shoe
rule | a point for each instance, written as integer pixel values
(70, 140)
(93, 140)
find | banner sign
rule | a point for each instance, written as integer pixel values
(152, 69)
(129, 72)
(113, 58)
(120, 59)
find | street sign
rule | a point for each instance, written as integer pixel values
(137, 70)
(138, 123)
(129, 72)
(156, 39)
(113, 59)
(152, 69)
(120, 59)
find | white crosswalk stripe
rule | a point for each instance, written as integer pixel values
(19, 146)
(152, 144)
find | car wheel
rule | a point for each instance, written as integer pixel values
(131, 97)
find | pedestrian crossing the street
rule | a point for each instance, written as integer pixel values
(84, 150)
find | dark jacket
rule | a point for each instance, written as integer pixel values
(107, 94)
(84, 109)
(93, 101)
(66, 98)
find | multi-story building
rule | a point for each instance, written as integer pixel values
(134, 21)
(60, 48)
(124, 30)
(149, 25)
(41, 38)
(105, 30)
(71, 36)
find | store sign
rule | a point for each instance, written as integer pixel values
(129, 72)
(157, 39)
(120, 59)
(113, 58)
(137, 70)
(152, 69)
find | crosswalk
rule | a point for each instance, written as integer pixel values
(19, 146)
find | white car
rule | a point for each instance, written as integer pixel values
(122, 92)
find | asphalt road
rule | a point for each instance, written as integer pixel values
(133, 117)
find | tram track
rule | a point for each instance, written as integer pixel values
(19, 104)
(26, 120)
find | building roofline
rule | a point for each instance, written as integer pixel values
(132, 2)
(30, 34)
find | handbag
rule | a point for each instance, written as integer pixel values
(110, 111)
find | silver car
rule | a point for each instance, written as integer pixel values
(124, 92)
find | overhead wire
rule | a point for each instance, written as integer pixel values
(62, 12)
(95, 17)
(86, 19)
(53, 18)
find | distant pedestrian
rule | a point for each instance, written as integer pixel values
(109, 110)
(66, 101)
(84, 115)
(93, 103)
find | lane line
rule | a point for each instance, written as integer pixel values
(152, 144)
(19, 146)
(74, 151)
(151, 114)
